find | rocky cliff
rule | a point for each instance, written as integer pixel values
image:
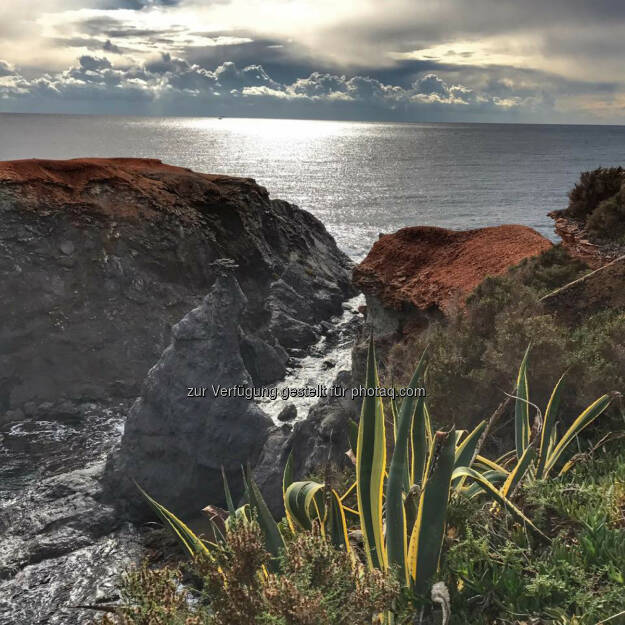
(122, 278)
(423, 273)
(99, 257)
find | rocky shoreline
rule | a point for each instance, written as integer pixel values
(128, 282)
(99, 259)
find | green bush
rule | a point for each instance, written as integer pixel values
(593, 188)
(598, 199)
(499, 576)
(471, 355)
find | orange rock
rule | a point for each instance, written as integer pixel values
(120, 188)
(428, 268)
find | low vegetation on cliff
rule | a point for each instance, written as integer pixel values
(598, 200)
(440, 532)
(471, 353)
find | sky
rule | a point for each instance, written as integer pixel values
(524, 61)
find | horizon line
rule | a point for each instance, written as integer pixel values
(314, 119)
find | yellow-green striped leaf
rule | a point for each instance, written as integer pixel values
(269, 528)
(427, 535)
(186, 536)
(521, 409)
(584, 420)
(398, 475)
(491, 490)
(518, 472)
(371, 467)
(546, 436)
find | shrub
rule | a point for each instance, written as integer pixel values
(471, 354)
(497, 575)
(593, 188)
(315, 585)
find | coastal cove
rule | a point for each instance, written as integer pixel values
(147, 302)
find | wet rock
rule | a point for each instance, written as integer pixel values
(265, 363)
(319, 440)
(269, 469)
(288, 413)
(328, 364)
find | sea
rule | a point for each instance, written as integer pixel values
(360, 179)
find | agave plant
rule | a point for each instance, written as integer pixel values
(401, 514)
(549, 448)
(537, 451)
(402, 505)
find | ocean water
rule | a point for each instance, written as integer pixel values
(360, 179)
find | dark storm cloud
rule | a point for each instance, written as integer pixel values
(170, 84)
(109, 46)
(482, 60)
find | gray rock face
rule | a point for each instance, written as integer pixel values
(100, 257)
(174, 445)
(288, 413)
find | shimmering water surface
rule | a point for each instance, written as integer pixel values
(358, 178)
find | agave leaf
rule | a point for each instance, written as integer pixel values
(187, 537)
(427, 535)
(370, 468)
(298, 501)
(398, 476)
(584, 420)
(494, 477)
(394, 413)
(518, 472)
(546, 436)
(229, 502)
(336, 526)
(464, 451)
(505, 458)
(269, 528)
(490, 464)
(491, 490)
(428, 426)
(420, 444)
(352, 435)
(287, 480)
(521, 409)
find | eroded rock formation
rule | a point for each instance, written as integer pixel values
(422, 273)
(99, 257)
(174, 445)
(575, 240)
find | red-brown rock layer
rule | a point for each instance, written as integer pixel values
(427, 268)
(120, 188)
(575, 240)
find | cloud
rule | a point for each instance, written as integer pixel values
(94, 64)
(166, 83)
(109, 46)
(137, 5)
(533, 60)
(6, 69)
